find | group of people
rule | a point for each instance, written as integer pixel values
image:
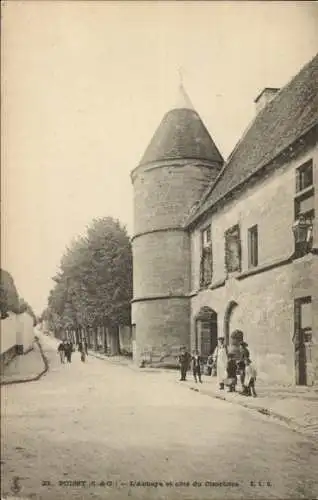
(66, 349)
(222, 363)
(229, 370)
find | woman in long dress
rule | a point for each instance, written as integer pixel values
(220, 360)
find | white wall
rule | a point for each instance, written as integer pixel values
(8, 332)
(17, 330)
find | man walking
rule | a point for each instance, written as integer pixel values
(184, 361)
(61, 351)
(82, 350)
(68, 351)
(86, 347)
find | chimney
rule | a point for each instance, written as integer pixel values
(267, 94)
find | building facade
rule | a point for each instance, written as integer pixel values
(237, 240)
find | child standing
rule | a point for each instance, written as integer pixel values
(250, 378)
(196, 366)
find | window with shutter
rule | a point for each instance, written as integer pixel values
(206, 258)
(233, 249)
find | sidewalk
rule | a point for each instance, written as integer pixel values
(296, 406)
(25, 368)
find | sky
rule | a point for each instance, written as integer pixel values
(84, 87)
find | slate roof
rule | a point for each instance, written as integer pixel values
(291, 113)
(181, 135)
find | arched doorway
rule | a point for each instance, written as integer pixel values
(227, 318)
(206, 331)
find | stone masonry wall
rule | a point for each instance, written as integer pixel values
(161, 264)
(163, 195)
(161, 325)
(264, 313)
(265, 309)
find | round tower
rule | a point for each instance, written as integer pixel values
(178, 165)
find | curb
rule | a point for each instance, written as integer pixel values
(292, 425)
(131, 366)
(36, 377)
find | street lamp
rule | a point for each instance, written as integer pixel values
(302, 229)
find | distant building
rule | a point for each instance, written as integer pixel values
(224, 245)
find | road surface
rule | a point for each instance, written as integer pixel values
(100, 430)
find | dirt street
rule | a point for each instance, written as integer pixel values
(97, 430)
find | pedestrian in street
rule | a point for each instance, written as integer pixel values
(61, 351)
(68, 351)
(81, 348)
(209, 365)
(196, 366)
(184, 361)
(241, 366)
(86, 347)
(250, 378)
(220, 361)
(231, 370)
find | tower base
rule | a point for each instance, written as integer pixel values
(161, 328)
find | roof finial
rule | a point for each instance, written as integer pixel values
(182, 100)
(180, 71)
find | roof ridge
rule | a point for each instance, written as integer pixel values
(261, 166)
(288, 116)
(213, 184)
(248, 127)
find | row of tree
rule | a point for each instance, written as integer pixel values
(10, 301)
(93, 287)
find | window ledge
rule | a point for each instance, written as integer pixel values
(264, 267)
(217, 284)
(304, 191)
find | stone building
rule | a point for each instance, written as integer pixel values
(225, 245)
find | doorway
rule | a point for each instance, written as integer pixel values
(206, 331)
(302, 338)
(227, 319)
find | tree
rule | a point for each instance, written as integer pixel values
(94, 284)
(9, 298)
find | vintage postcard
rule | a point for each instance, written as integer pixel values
(159, 250)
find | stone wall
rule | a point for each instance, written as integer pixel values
(165, 192)
(265, 310)
(125, 339)
(161, 264)
(163, 196)
(17, 334)
(161, 325)
(264, 313)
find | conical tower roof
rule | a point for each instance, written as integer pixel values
(181, 135)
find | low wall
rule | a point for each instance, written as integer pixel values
(17, 335)
(125, 339)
